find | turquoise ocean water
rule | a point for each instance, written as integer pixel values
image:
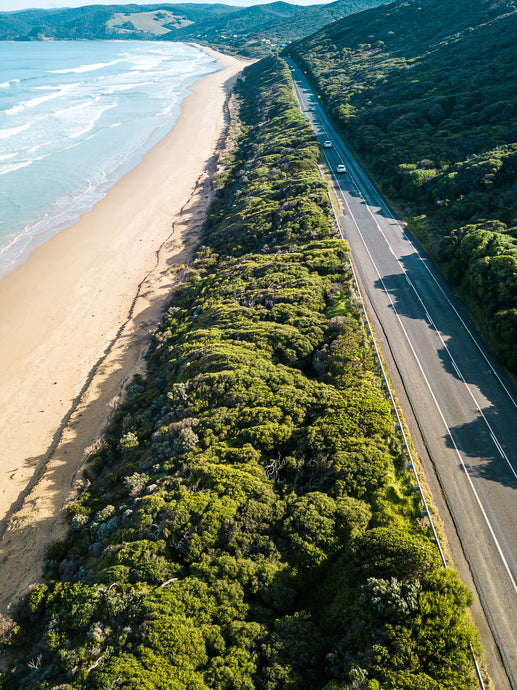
(74, 117)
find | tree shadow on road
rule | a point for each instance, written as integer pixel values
(461, 359)
(482, 457)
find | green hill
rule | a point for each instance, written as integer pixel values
(106, 21)
(426, 94)
(310, 19)
(249, 30)
(235, 28)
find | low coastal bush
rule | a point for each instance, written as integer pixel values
(240, 530)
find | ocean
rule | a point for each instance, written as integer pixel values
(75, 116)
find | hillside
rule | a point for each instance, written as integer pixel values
(249, 521)
(315, 17)
(249, 30)
(234, 29)
(255, 29)
(426, 94)
(105, 21)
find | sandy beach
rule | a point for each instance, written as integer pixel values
(75, 319)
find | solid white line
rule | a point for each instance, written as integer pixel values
(478, 500)
(505, 563)
(384, 207)
(433, 325)
(387, 210)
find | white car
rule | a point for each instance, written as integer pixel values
(327, 144)
(341, 168)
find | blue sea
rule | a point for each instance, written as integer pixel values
(75, 116)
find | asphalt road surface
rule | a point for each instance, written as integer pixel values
(459, 404)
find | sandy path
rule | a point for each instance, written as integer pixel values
(75, 320)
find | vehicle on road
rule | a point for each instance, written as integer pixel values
(341, 168)
(327, 144)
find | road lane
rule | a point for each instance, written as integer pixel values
(460, 404)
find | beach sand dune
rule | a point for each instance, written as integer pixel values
(75, 320)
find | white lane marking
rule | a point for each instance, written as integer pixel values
(449, 434)
(498, 547)
(387, 210)
(384, 207)
(433, 324)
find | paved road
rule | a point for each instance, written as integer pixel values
(459, 403)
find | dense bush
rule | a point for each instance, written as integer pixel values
(239, 531)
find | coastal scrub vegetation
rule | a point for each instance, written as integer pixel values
(249, 521)
(426, 94)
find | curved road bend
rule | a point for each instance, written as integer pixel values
(459, 403)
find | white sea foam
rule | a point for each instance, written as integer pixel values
(12, 131)
(57, 92)
(8, 84)
(84, 68)
(69, 142)
(74, 108)
(89, 126)
(169, 108)
(126, 87)
(145, 63)
(49, 144)
(4, 170)
(13, 110)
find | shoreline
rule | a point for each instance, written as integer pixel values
(58, 217)
(75, 320)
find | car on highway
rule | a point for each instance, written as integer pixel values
(327, 144)
(341, 168)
